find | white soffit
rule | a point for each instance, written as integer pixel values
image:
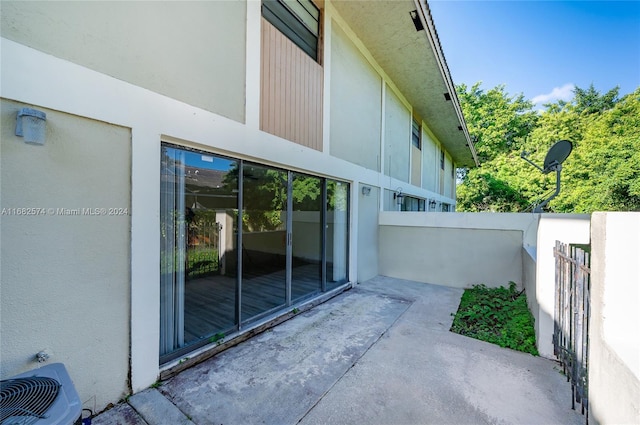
(407, 56)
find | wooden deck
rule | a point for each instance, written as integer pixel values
(210, 302)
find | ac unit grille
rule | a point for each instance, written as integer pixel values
(25, 400)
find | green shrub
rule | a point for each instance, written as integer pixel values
(496, 315)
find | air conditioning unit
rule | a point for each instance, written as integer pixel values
(41, 396)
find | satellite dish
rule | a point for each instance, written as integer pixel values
(557, 154)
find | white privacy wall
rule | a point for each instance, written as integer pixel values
(457, 250)
(614, 340)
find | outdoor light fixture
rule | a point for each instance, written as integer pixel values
(398, 196)
(366, 190)
(432, 204)
(31, 125)
(416, 20)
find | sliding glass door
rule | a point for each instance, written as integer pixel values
(264, 240)
(198, 247)
(306, 230)
(240, 241)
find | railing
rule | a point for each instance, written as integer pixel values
(203, 247)
(571, 321)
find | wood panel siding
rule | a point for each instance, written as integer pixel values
(291, 90)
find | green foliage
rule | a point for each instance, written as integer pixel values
(202, 261)
(589, 101)
(219, 338)
(496, 315)
(499, 123)
(602, 173)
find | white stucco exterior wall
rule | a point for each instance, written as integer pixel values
(191, 51)
(367, 226)
(356, 103)
(455, 249)
(614, 340)
(397, 137)
(65, 270)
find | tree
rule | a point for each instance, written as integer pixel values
(500, 126)
(499, 123)
(589, 101)
(602, 173)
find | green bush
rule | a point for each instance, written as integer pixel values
(496, 315)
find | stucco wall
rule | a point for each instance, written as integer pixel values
(189, 50)
(356, 99)
(397, 137)
(529, 280)
(453, 249)
(367, 224)
(448, 178)
(65, 274)
(429, 150)
(614, 340)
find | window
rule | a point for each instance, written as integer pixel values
(299, 20)
(411, 203)
(415, 134)
(442, 159)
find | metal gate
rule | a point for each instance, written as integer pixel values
(203, 246)
(571, 319)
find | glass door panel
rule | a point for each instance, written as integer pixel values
(264, 240)
(337, 238)
(198, 215)
(306, 230)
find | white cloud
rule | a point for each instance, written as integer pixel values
(558, 93)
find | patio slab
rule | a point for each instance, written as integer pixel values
(380, 353)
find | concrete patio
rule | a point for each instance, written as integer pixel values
(380, 353)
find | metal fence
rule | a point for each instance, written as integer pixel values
(571, 321)
(203, 247)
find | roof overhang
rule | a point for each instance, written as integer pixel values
(415, 63)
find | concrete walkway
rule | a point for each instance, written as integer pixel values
(380, 353)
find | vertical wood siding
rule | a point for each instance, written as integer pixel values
(291, 93)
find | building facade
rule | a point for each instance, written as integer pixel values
(205, 167)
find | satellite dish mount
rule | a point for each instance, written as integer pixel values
(558, 153)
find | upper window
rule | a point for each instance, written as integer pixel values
(442, 159)
(415, 134)
(299, 20)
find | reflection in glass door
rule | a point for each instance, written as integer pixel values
(306, 230)
(264, 240)
(198, 213)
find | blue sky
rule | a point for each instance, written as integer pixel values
(541, 49)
